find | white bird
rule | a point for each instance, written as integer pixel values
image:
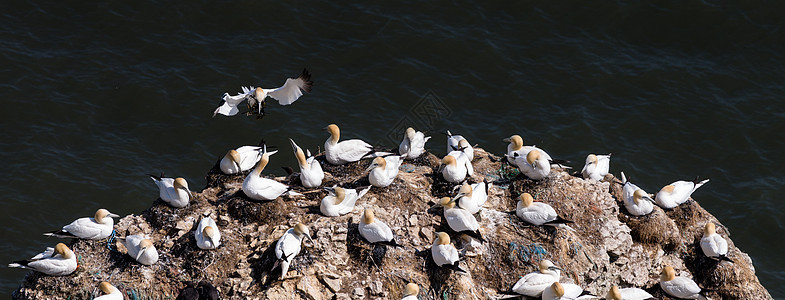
(676, 193)
(534, 283)
(240, 159)
(454, 144)
(444, 254)
(289, 246)
(207, 234)
(713, 245)
(460, 220)
(375, 231)
(515, 148)
(98, 227)
(456, 166)
(338, 153)
(259, 188)
(111, 292)
(472, 197)
(57, 261)
(596, 166)
(679, 287)
(636, 200)
(141, 248)
(534, 165)
(411, 291)
(627, 294)
(558, 291)
(537, 213)
(173, 191)
(384, 170)
(340, 201)
(413, 144)
(291, 90)
(311, 174)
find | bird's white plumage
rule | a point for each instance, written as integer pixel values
(338, 153)
(176, 197)
(311, 174)
(682, 287)
(636, 205)
(229, 104)
(571, 292)
(444, 254)
(202, 240)
(145, 256)
(413, 144)
(90, 228)
(332, 205)
(676, 193)
(453, 144)
(383, 175)
(288, 247)
(50, 263)
(376, 231)
(286, 94)
(112, 294)
(460, 219)
(713, 245)
(259, 188)
(596, 167)
(534, 283)
(538, 169)
(249, 156)
(537, 213)
(458, 171)
(634, 294)
(478, 195)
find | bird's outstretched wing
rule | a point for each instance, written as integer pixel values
(292, 89)
(229, 103)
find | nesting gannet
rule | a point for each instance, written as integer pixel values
(375, 231)
(454, 144)
(110, 292)
(411, 291)
(141, 248)
(676, 193)
(596, 166)
(472, 197)
(515, 149)
(636, 200)
(259, 188)
(240, 159)
(534, 283)
(537, 213)
(340, 201)
(383, 170)
(456, 166)
(288, 246)
(57, 261)
(96, 228)
(460, 220)
(627, 294)
(680, 287)
(311, 173)
(558, 291)
(444, 254)
(338, 153)
(173, 191)
(291, 90)
(207, 234)
(534, 165)
(713, 245)
(413, 144)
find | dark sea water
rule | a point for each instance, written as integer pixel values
(94, 95)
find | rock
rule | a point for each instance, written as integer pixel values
(358, 293)
(331, 281)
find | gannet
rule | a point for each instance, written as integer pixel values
(375, 231)
(141, 248)
(627, 294)
(596, 166)
(636, 200)
(340, 201)
(680, 287)
(57, 261)
(413, 144)
(534, 165)
(411, 291)
(456, 166)
(383, 170)
(96, 228)
(472, 197)
(454, 144)
(676, 193)
(311, 174)
(110, 292)
(338, 153)
(558, 291)
(173, 191)
(460, 220)
(291, 90)
(444, 254)
(288, 246)
(515, 149)
(534, 283)
(259, 188)
(537, 213)
(240, 159)
(713, 245)
(207, 234)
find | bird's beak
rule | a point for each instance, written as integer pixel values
(138, 255)
(325, 128)
(373, 165)
(309, 237)
(506, 140)
(111, 215)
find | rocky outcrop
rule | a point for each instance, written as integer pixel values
(604, 246)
